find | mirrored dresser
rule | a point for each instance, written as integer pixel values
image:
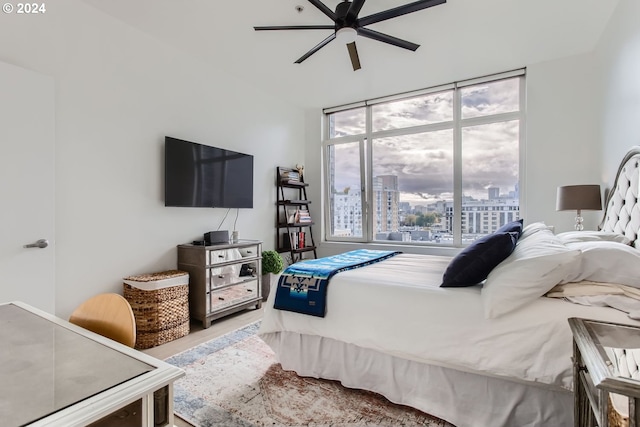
(223, 278)
(606, 360)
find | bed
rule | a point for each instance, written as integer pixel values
(491, 354)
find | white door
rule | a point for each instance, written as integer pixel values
(27, 159)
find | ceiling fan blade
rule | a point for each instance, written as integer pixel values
(316, 48)
(354, 10)
(353, 54)
(385, 38)
(324, 9)
(398, 11)
(296, 27)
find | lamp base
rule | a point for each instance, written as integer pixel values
(579, 220)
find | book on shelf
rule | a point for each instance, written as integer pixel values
(290, 177)
(289, 241)
(303, 216)
(286, 241)
(298, 216)
(294, 240)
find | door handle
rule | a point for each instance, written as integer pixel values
(42, 243)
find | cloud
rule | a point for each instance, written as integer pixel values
(490, 98)
(422, 110)
(423, 162)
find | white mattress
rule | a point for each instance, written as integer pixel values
(396, 307)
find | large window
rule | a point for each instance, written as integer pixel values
(440, 166)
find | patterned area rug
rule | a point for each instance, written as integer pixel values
(235, 381)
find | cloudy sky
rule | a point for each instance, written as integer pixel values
(423, 161)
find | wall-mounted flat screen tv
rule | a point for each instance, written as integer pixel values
(198, 175)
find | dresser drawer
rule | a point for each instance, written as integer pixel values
(216, 257)
(232, 295)
(249, 251)
(223, 275)
(218, 280)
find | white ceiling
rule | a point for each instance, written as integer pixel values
(459, 39)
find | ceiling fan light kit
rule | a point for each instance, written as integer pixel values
(347, 26)
(346, 35)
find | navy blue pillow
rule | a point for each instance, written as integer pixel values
(475, 262)
(512, 226)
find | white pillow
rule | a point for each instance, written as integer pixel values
(609, 262)
(533, 228)
(592, 236)
(538, 263)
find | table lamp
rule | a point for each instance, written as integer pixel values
(578, 198)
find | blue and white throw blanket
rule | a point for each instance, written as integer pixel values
(302, 287)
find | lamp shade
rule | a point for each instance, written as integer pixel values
(579, 197)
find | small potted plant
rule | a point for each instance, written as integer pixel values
(272, 264)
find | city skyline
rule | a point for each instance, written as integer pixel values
(418, 199)
(479, 216)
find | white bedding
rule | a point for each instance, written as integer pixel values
(620, 297)
(443, 326)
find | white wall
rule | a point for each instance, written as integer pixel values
(562, 143)
(618, 63)
(118, 93)
(582, 117)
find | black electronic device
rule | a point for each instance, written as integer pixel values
(216, 237)
(198, 175)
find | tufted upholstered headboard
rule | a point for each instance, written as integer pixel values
(622, 213)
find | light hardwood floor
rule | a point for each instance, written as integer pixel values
(198, 335)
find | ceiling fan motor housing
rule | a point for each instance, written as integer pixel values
(341, 15)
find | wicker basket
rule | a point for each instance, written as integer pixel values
(160, 303)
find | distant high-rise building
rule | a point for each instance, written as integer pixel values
(386, 198)
(484, 216)
(494, 193)
(347, 214)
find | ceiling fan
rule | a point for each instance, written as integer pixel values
(347, 26)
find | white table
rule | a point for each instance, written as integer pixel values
(54, 373)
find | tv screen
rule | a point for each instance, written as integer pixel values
(199, 175)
